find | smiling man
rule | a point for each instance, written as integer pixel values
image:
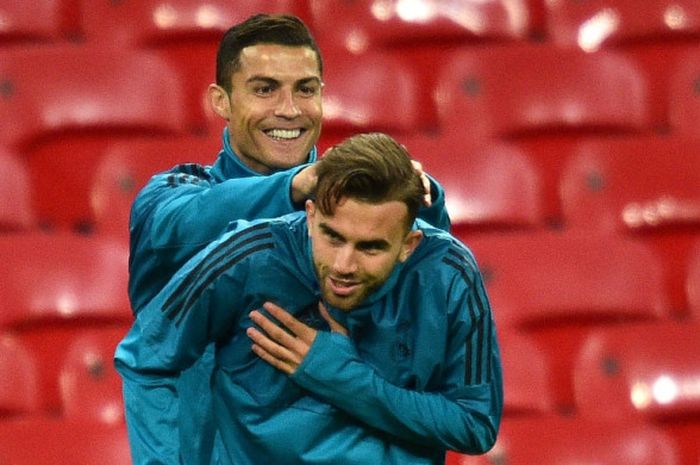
(271, 98)
(376, 346)
(268, 90)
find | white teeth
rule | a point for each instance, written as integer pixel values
(343, 283)
(284, 133)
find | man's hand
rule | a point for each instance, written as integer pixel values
(278, 347)
(303, 184)
(427, 198)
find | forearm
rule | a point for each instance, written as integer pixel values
(202, 214)
(464, 420)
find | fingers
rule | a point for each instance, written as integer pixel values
(273, 331)
(335, 326)
(427, 198)
(274, 354)
(274, 344)
(298, 328)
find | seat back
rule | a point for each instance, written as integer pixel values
(54, 278)
(568, 441)
(525, 90)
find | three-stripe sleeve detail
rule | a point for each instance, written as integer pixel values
(226, 254)
(478, 369)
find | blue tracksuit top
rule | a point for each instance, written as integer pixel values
(181, 210)
(173, 217)
(176, 215)
(419, 373)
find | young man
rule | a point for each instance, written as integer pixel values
(268, 90)
(411, 369)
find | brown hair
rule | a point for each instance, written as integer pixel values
(276, 29)
(372, 168)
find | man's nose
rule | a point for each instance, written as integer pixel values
(345, 261)
(287, 106)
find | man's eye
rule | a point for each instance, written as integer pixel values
(308, 91)
(334, 240)
(264, 90)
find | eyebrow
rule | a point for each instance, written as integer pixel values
(270, 80)
(379, 244)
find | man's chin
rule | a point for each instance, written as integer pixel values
(344, 303)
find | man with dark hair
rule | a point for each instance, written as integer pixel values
(268, 90)
(398, 363)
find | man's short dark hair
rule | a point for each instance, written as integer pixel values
(278, 29)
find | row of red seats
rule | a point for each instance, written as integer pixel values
(485, 92)
(186, 33)
(366, 23)
(646, 187)
(553, 287)
(64, 126)
(553, 440)
(642, 374)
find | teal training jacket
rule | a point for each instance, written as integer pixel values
(176, 215)
(420, 372)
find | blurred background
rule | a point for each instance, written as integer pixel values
(565, 132)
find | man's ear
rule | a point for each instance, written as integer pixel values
(310, 207)
(219, 101)
(410, 243)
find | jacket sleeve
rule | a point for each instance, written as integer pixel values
(202, 212)
(169, 335)
(463, 414)
(436, 214)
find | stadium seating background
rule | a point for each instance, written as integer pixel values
(566, 134)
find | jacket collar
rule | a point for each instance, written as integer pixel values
(228, 165)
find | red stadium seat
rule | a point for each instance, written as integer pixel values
(16, 212)
(649, 371)
(525, 90)
(153, 22)
(572, 441)
(61, 124)
(90, 385)
(692, 280)
(655, 33)
(22, 25)
(126, 166)
(638, 185)
(46, 441)
(595, 23)
(356, 96)
(526, 376)
(54, 278)
(488, 186)
(646, 369)
(545, 278)
(369, 24)
(19, 381)
(556, 286)
(90, 89)
(185, 32)
(684, 99)
(53, 287)
(632, 184)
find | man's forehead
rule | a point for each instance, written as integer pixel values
(278, 59)
(362, 221)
